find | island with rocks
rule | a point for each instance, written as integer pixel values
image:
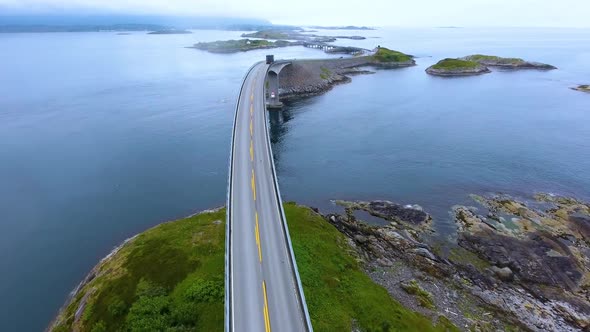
(305, 78)
(457, 67)
(240, 45)
(582, 87)
(296, 35)
(276, 38)
(478, 64)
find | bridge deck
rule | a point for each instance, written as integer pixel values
(264, 291)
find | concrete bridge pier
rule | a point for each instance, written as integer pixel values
(271, 85)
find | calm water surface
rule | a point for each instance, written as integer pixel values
(103, 136)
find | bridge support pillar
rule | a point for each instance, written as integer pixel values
(272, 90)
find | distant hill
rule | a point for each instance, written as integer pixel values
(88, 22)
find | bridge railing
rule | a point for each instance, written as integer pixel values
(228, 271)
(285, 227)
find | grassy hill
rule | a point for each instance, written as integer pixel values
(171, 278)
(386, 55)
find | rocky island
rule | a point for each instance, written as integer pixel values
(280, 38)
(457, 67)
(507, 63)
(240, 45)
(583, 88)
(478, 64)
(296, 35)
(311, 77)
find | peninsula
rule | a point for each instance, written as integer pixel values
(516, 264)
(312, 77)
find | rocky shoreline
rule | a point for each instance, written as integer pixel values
(515, 263)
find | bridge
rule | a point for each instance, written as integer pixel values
(263, 290)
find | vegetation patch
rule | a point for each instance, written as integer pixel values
(386, 55)
(455, 64)
(325, 74)
(494, 59)
(171, 278)
(461, 256)
(424, 297)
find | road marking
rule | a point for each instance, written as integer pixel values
(251, 151)
(253, 186)
(258, 239)
(251, 109)
(252, 97)
(251, 128)
(266, 314)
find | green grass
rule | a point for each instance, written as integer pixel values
(325, 74)
(424, 297)
(386, 55)
(171, 277)
(492, 58)
(337, 291)
(454, 64)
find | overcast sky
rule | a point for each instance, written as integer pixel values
(546, 13)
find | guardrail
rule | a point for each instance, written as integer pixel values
(285, 228)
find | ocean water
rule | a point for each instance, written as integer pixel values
(104, 135)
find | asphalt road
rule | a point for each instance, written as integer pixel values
(263, 288)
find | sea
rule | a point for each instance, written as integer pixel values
(103, 135)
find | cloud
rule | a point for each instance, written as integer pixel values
(333, 12)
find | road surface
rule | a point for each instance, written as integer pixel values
(264, 293)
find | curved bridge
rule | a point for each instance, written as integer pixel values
(263, 291)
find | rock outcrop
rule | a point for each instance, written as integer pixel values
(528, 262)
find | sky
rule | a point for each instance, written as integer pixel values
(411, 13)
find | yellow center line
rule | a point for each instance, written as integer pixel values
(251, 151)
(257, 228)
(253, 186)
(266, 314)
(251, 109)
(252, 97)
(251, 128)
